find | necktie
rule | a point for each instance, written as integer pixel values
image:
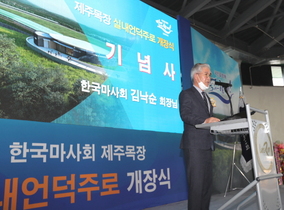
(205, 99)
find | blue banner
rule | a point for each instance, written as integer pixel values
(224, 69)
(55, 166)
(114, 97)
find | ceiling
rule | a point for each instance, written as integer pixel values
(250, 31)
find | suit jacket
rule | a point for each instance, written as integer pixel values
(193, 111)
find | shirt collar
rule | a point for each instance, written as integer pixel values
(198, 89)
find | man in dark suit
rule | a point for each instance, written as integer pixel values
(197, 144)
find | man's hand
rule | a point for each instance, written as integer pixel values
(211, 120)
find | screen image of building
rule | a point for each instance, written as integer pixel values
(67, 50)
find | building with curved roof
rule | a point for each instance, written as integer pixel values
(67, 50)
(59, 48)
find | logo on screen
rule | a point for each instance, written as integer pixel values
(165, 26)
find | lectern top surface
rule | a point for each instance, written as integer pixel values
(227, 122)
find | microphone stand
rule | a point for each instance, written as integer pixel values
(225, 86)
(233, 164)
(230, 100)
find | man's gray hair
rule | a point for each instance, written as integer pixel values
(197, 68)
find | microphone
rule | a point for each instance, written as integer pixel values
(225, 85)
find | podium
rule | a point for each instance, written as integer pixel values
(265, 173)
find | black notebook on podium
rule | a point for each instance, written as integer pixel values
(242, 114)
